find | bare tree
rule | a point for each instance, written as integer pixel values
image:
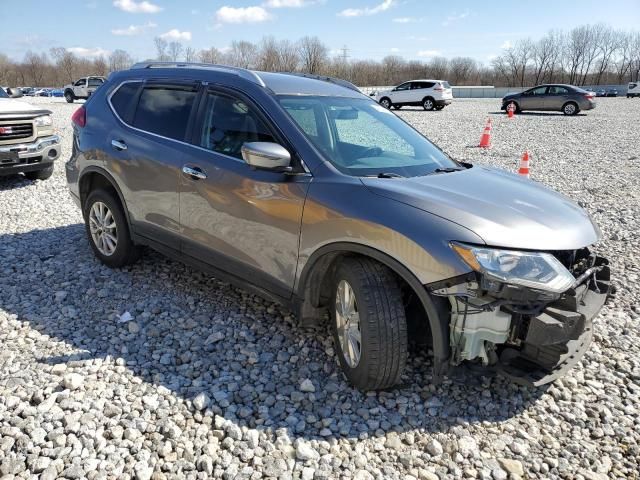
(119, 60)
(175, 51)
(35, 66)
(100, 66)
(438, 68)
(210, 55)
(189, 54)
(461, 69)
(161, 49)
(242, 54)
(66, 61)
(313, 54)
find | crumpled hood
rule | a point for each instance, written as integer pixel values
(10, 105)
(502, 208)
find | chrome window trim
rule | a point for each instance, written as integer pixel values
(115, 113)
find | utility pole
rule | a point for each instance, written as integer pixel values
(345, 53)
(345, 66)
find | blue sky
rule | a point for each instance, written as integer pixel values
(415, 29)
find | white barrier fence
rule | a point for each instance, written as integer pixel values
(499, 92)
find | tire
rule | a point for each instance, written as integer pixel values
(69, 97)
(397, 107)
(428, 103)
(40, 174)
(517, 107)
(439, 107)
(570, 108)
(125, 252)
(386, 102)
(382, 324)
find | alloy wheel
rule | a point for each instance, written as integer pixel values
(348, 323)
(103, 228)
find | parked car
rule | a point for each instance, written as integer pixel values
(601, 92)
(28, 91)
(27, 142)
(430, 94)
(304, 190)
(82, 88)
(567, 99)
(612, 92)
(43, 92)
(57, 92)
(633, 90)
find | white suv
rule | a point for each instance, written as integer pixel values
(633, 90)
(428, 93)
(82, 88)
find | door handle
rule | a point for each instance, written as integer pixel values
(194, 172)
(118, 145)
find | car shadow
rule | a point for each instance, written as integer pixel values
(539, 114)
(191, 333)
(14, 181)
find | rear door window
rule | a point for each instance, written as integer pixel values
(165, 109)
(558, 90)
(95, 82)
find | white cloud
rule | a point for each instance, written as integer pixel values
(287, 3)
(394, 49)
(132, 6)
(242, 15)
(492, 57)
(88, 52)
(359, 12)
(406, 20)
(132, 30)
(506, 45)
(175, 34)
(428, 53)
(454, 18)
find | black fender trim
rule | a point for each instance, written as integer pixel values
(436, 307)
(112, 181)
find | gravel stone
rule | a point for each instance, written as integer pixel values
(89, 392)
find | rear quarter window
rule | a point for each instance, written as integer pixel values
(165, 110)
(123, 99)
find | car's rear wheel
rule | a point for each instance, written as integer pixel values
(40, 174)
(385, 102)
(369, 324)
(108, 231)
(428, 103)
(570, 108)
(69, 97)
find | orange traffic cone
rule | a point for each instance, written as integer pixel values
(524, 165)
(510, 110)
(485, 140)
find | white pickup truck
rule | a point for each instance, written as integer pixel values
(82, 88)
(27, 142)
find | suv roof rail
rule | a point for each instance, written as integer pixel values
(241, 72)
(325, 78)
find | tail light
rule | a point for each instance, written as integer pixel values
(439, 88)
(589, 96)
(79, 117)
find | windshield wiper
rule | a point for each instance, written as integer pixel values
(447, 170)
(386, 175)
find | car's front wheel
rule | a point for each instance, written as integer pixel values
(108, 231)
(369, 324)
(385, 102)
(570, 108)
(69, 97)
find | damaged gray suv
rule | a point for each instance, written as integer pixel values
(304, 190)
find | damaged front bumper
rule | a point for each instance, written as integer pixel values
(532, 337)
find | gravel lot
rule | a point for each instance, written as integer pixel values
(207, 380)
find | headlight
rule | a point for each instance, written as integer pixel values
(530, 269)
(43, 121)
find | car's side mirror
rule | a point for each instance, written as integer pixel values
(267, 156)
